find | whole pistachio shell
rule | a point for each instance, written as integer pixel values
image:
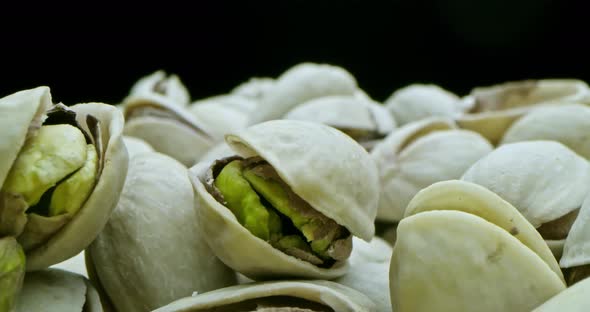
(544, 180)
(573, 299)
(169, 129)
(419, 154)
(12, 272)
(158, 85)
(302, 83)
(567, 124)
(477, 200)
(276, 296)
(471, 265)
(154, 222)
(54, 290)
(369, 271)
(420, 101)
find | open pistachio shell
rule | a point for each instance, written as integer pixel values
(419, 154)
(169, 129)
(544, 180)
(495, 108)
(420, 101)
(155, 222)
(157, 85)
(54, 290)
(360, 118)
(477, 200)
(302, 83)
(456, 261)
(81, 230)
(567, 124)
(368, 273)
(136, 146)
(279, 296)
(576, 250)
(573, 299)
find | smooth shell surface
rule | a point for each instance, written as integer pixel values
(335, 296)
(166, 88)
(471, 265)
(322, 165)
(136, 146)
(219, 119)
(75, 264)
(573, 299)
(418, 155)
(420, 101)
(302, 83)
(151, 251)
(477, 200)
(369, 271)
(576, 250)
(240, 249)
(19, 112)
(57, 291)
(567, 124)
(77, 234)
(544, 180)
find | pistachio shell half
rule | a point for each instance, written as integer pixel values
(421, 101)
(419, 154)
(54, 290)
(279, 296)
(456, 261)
(544, 180)
(153, 236)
(573, 299)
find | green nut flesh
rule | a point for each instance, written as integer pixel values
(270, 210)
(12, 272)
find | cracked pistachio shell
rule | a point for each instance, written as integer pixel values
(218, 118)
(544, 180)
(153, 237)
(302, 83)
(277, 296)
(345, 112)
(567, 124)
(255, 88)
(471, 265)
(169, 129)
(79, 232)
(368, 273)
(495, 108)
(573, 299)
(419, 154)
(576, 250)
(54, 290)
(160, 86)
(420, 101)
(136, 146)
(477, 200)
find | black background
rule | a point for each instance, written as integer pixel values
(98, 53)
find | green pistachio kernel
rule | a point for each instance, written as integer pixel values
(245, 204)
(45, 159)
(69, 196)
(12, 272)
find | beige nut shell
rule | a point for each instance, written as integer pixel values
(573, 299)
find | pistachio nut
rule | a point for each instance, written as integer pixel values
(64, 176)
(576, 251)
(287, 206)
(300, 84)
(136, 146)
(54, 290)
(219, 118)
(168, 128)
(573, 299)
(160, 87)
(419, 154)
(544, 180)
(279, 296)
(464, 248)
(421, 101)
(368, 273)
(153, 237)
(567, 124)
(495, 108)
(255, 88)
(362, 119)
(12, 272)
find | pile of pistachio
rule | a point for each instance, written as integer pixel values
(299, 193)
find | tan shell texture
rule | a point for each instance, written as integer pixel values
(573, 299)
(152, 252)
